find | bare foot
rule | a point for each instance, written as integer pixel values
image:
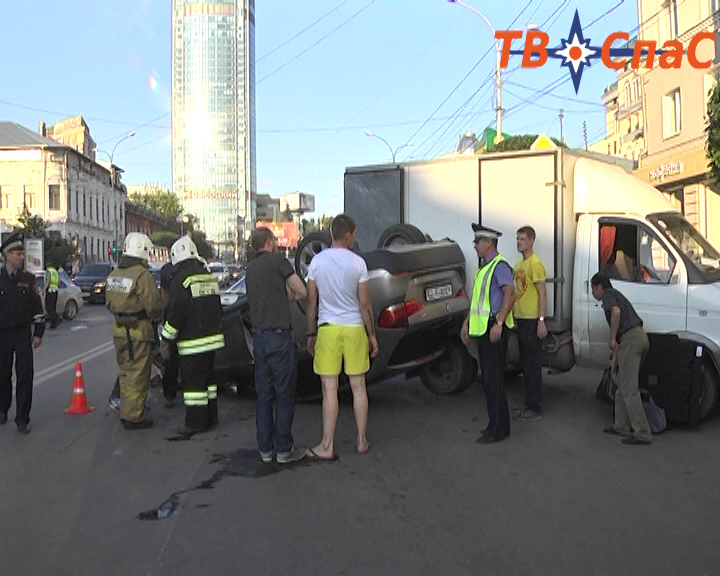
(318, 453)
(363, 448)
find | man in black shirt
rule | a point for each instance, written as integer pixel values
(629, 344)
(271, 285)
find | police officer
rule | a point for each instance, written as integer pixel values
(193, 319)
(490, 313)
(133, 297)
(52, 284)
(20, 309)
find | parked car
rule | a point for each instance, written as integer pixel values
(91, 280)
(419, 304)
(231, 295)
(220, 271)
(70, 297)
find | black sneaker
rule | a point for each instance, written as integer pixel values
(23, 428)
(3, 418)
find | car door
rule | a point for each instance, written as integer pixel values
(647, 271)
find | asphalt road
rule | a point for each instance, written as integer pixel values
(558, 497)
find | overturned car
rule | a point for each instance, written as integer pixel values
(419, 304)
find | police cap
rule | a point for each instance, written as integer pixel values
(485, 233)
(15, 241)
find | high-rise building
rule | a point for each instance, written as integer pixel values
(213, 116)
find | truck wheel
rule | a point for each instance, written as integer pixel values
(711, 392)
(453, 372)
(399, 234)
(311, 244)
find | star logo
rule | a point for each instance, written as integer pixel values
(577, 52)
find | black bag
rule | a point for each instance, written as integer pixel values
(654, 414)
(606, 389)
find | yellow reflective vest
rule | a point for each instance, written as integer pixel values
(480, 305)
(53, 280)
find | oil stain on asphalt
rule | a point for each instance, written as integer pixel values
(243, 463)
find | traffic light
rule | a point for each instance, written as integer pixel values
(114, 248)
(109, 250)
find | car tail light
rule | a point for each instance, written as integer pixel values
(461, 293)
(397, 316)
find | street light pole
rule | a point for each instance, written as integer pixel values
(393, 153)
(498, 70)
(112, 175)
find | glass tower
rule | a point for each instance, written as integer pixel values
(213, 116)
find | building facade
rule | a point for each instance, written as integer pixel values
(72, 132)
(213, 115)
(676, 100)
(73, 192)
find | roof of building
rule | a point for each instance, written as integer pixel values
(13, 135)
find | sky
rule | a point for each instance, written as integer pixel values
(415, 71)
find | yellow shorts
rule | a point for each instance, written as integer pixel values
(336, 343)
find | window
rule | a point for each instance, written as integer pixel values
(69, 203)
(671, 113)
(714, 6)
(77, 203)
(84, 205)
(630, 253)
(656, 263)
(97, 209)
(673, 20)
(29, 196)
(54, 196)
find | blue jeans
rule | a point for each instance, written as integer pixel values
(275, 383)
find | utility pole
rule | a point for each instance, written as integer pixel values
(585, 134)
(561, 115)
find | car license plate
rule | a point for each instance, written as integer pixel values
(438, 292)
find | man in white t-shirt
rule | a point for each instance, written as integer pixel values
(337, 277)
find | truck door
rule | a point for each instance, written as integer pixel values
(645, 269)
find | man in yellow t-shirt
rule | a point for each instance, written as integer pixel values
(529, 312)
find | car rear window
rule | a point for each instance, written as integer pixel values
(217, 268)
(95, 270)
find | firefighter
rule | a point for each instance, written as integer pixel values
(20, 310)
(194, 322)
(133, 297)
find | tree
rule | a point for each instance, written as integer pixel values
(522, 142)
(713, 132)
(165, 238)
(56, 249)
(312, 225)
(162, 202)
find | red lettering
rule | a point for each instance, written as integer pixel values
(637, 54)
(532, 48)
(692, 49)
(606, 50)
(507, 36)
(672, 58)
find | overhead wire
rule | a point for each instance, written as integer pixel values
(321, 39)
(307, 28)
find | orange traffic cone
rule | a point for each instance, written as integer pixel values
(79, 403)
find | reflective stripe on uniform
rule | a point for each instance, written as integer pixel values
(199, 345)
(212, 392)
(198, 278)
(195, 398)
(169, 332)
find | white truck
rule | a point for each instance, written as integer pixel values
(589, 213)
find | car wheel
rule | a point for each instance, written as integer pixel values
(400, 234)
(309, 246)
(711, 391)
(71, 310)
(451, 373)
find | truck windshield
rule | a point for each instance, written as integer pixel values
(691, 243)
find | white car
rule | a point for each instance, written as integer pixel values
(220, 271)
(231, 295)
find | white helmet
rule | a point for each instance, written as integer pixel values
(137, 245)
(183, 249)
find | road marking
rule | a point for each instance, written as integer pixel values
(51, 371)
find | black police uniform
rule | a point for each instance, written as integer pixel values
(21, 319)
